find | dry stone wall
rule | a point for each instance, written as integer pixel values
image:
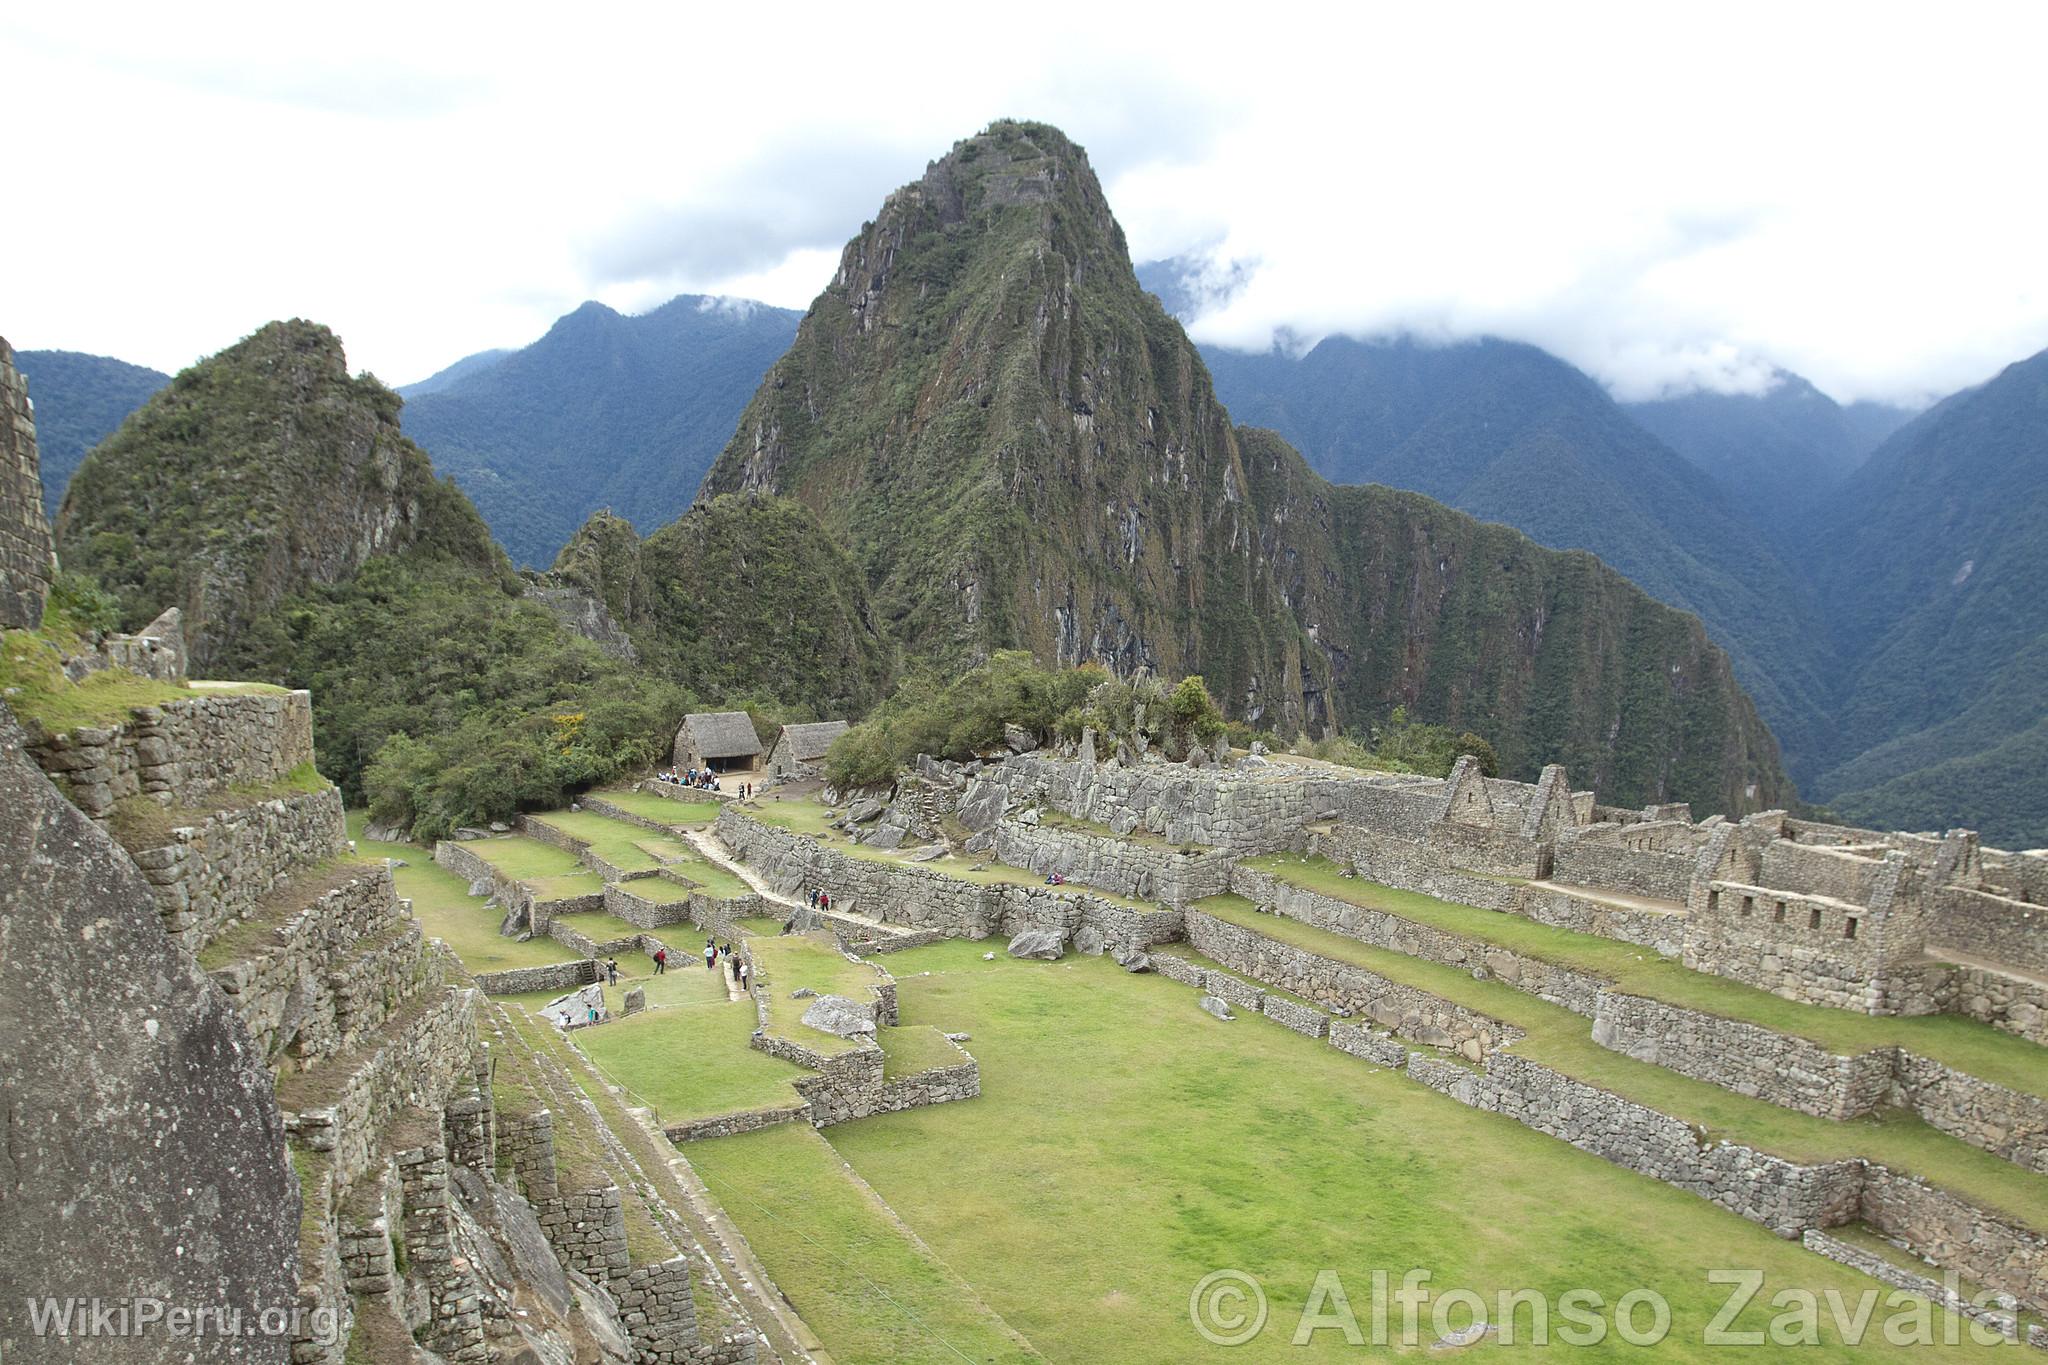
(1351, 990)
(181, 752)
(26, 555)
(1782, 1195)
(920, 898)
(1128, 867)
(218, 870)
(1994, 1251)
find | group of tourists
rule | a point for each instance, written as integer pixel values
(703, 779)
(714, 951)
(821, 900)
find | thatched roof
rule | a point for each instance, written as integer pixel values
(722, 734)
(808, 743)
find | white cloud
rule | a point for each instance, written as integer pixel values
(1663, 196)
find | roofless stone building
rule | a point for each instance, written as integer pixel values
(799, 750)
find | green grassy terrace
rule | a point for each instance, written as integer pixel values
(629, 848)
(789, 962)
(690, 1060)
(1966, 1044)
(1563, 1041)
(868, 1287)
(913, 1048)
(445, 909)
(1114, 1160)
(518, 858)
(682, 814)
(32, 673)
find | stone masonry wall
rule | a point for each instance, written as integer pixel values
(919, 898)
(554, 976)
(1576, 991)
(418, 1061)
(216, 871)
(1782, 1195)
(182, 751)
(1941, 1227)
(1142, 871)
(1409, 1012)
(26, 555)
(1995, 927)
(1587, 861)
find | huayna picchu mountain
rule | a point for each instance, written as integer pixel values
(1019, 448)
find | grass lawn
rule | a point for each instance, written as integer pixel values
(690, 814)
(872, 1293)
(518, 858)
(913, 1048)
(689, 1061)
(1125, 1145)
(565, 886)
(1564, 1041)
(629, 848)
(1985, 1052)
(602, 928)
(32, 671)
(445, 909)
(716, 881)
(789, 962)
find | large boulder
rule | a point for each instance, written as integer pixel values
(144, 1154)
(840, 1017)
(1131, 959)
(1217, 1007)
(1088, 941)
(884, 836)
(1043, 945)
(865, 809)
(982, 805)
(1018, 739)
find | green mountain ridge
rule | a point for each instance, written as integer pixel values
(604, 412)
(1019, 448)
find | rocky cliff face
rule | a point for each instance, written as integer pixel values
(260, 472)
(1019, 448)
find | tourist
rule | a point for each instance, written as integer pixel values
(727, 950)
(711, 957)
(660, 961)
(744, 974)
(611, 971)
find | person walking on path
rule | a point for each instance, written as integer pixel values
(744, 974)
(660, 961)
(710, 957)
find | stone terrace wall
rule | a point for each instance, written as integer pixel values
(2001, 930)
(1782, 1195)
(424, 1054)
(561, 977)
(919, 898)
(182, 751)
(1409, 1012)
(1576, 991)
(2004, 1122)
(1941, 1227)
(26, 555)
(220, 869)
(2014, 1004)
(321, 977)
(1237, 811)
(1143, 871)
(1789, 1072)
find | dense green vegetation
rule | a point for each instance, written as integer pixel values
(605, 411)
(1934, 554)
(80, 401)
(964, 716)
(1020, 449)
(745, 597)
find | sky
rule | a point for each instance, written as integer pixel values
(1669, 196)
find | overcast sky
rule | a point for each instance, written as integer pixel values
(1668, 196)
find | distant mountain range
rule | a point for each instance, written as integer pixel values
(605, 411)
(80, 401)
(1512, 434)
(1875, 577)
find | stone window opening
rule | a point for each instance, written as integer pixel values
(1713, 901)
(1748, 904)
(1813, 918)
(1849, 927)
(1778, 915)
